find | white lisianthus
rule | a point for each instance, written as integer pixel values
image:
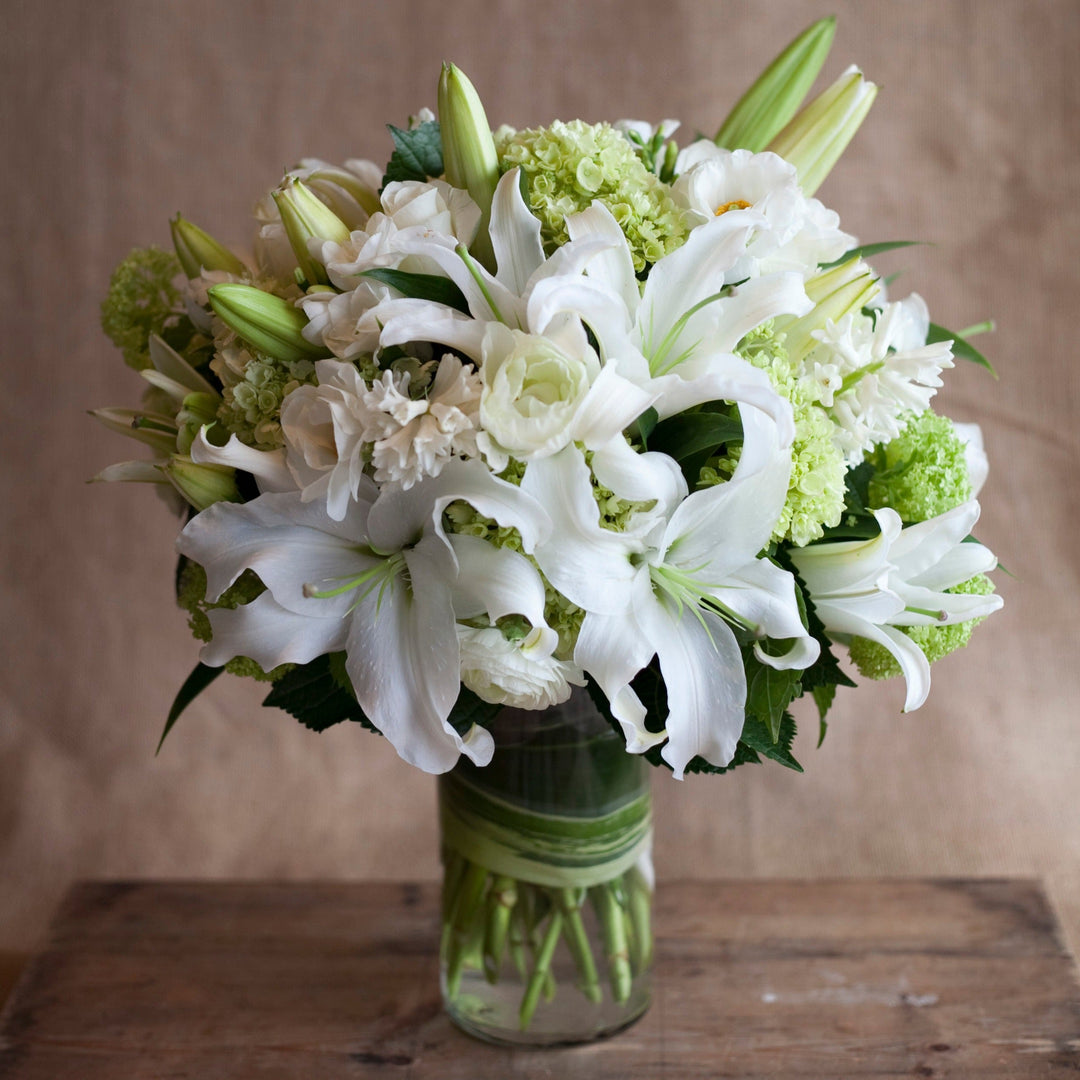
(345, 323)
(522, 673)
(797, 233)
(408, 207)
(533, 392)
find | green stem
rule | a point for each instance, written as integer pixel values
(614, 930)
(453, 868)
(541, 969)
(640, 899)
(501, 901)
(469, 896)
(570, 901)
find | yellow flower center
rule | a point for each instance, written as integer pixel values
(735, 204)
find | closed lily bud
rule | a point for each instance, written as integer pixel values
(307, 218)
(815, 139)
(266, 322)
(844, 290)
(201, 485)
(198, 250)
(469, 157)
(779, 91)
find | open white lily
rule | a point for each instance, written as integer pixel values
(676, 338)
(666, 587)
(870, 588)
(379, 584)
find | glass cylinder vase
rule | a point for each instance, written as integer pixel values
(547, 883)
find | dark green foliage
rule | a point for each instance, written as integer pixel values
(960, 347)
(422, 287)
(417, 153)
(313, 695)
(193, 686)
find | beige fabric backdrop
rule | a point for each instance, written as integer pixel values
(115, 115)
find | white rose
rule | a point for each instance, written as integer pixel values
(533, 393)
(433, 204)
(521, 674)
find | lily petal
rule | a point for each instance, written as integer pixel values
(588, 564)
(613, 267)
(515, 235)
(912, 660)
(270, 635)
(403, 660)
(495, 581)
(706, 684)
(267, 466)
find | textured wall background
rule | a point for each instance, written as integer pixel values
(115, 115)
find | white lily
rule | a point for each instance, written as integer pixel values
(676, 338)
(666, 587)
(379, 584)
(870, 588)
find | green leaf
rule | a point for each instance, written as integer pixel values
(960, 346)
(193, 686)
(868, 251)
(823, 698)
(646, 425)
(470, 709)
(313, 695)
(769, 692)
(758, 738)
(421, 287)
(417, 153)
(690, 434)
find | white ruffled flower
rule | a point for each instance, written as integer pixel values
(533, 392)
(884, 370)
(522, 674)
(407, 206)
(333, 430)
(797, 234)
(871, 588)
(346, 323)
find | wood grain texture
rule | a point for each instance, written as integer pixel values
(944, 978)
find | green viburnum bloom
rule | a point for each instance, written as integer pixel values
(251, 408)
(923, 472)
(568, 166)
(142, 300)
(815, 498)
(876, 662)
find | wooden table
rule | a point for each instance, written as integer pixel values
(833, 979)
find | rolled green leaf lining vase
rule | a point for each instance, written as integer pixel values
(547, 886)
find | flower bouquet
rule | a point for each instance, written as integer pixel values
(550, 455)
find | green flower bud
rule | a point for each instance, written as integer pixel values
(815, 139)
(201, 485)
(198, 250)
(154, 429)
(306, 218)
(843, 290)
(197, 411)
(469, 157)
(271, 326)
(780, 89)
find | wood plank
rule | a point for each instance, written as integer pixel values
(761, 979)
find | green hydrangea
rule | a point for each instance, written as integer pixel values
(923, 472)
(191, 596)
(815, 497)
(142, 300)
(874, 661)
(251, 408)
(568, 166)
